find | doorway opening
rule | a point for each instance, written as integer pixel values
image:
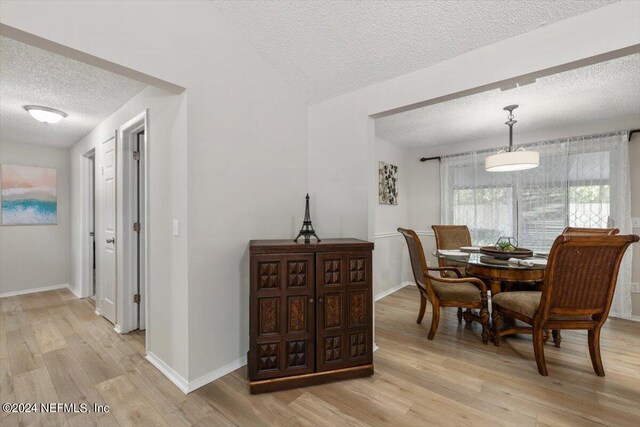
(132, 220)
(92, 222)
(89, 247)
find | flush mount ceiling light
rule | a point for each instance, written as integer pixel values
(45, 114)
(512, 160)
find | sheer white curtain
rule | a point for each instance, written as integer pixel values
(581, 182)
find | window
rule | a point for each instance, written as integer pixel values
(581, 182)
(488, 209)
(571, 187)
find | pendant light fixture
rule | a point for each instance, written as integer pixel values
(512, 160)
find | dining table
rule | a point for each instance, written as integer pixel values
(499, 275)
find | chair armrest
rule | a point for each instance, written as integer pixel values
(473, 280)
(455, 270)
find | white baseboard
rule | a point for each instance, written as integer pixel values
(632, 317)
(33, 290)
(73, 291)
(189, 386)
(117, 328)
(168, 372)
(392, 290)
(216, 373)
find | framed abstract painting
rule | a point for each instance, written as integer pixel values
(29, 195)
(387, 184)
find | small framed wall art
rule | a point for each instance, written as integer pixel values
(29, 195)
(387, 184)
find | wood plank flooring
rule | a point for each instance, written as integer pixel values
(54, 349)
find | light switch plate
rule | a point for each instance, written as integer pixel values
(635, 287)
(176, 227)
(635, 222)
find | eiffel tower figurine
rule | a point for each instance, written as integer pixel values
(307, 228)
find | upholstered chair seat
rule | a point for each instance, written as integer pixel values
(456, 291)
(523, 302)
(526, 303)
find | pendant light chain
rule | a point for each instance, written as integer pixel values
(510, 122)
(511, 160)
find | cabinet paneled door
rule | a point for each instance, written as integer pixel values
(310, 312)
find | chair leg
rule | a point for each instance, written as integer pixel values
(594, 351)
(538, 350)
(434, 320)
(484, 320)
(468, 316)
(423, 307)
(496, 316)
(557, 337)
(459, 314)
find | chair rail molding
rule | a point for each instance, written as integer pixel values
(386, 235)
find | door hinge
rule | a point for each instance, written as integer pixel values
(136, 298)
(136, 227)
(136, 155)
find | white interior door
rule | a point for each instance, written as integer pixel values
(106, 243)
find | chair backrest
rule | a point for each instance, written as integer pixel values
(418, 260)
(451, 237)
(581, 276)
(577, 231)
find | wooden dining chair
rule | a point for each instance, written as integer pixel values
(453, 237)
(469, 292)
(578, 231)
(580, 280)
(581, 231)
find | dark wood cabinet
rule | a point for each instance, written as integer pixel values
(311, 316)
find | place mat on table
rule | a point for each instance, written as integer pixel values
(452, 252)
(496, 261)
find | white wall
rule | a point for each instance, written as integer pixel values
(390, 217)
(246, 154)
(391, 259)
(167, 332)
(418, 208)
(36, 256)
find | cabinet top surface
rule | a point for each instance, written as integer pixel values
(300, 246)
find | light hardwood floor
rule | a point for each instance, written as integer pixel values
(54, 349)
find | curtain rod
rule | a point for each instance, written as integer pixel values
(426, 159)
(485, 150)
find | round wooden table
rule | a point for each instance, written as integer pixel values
(497, 276)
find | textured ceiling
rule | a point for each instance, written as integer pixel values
(600, 92)
(29, 75)
(328, 48)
